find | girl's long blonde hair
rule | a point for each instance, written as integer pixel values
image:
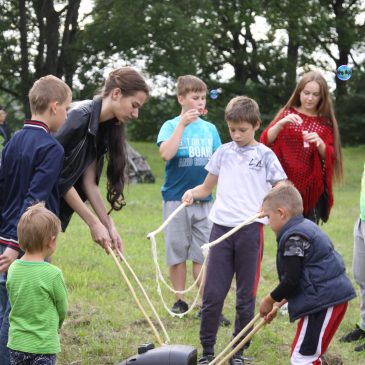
(324, 109)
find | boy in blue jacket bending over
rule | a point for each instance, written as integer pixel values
(312, 276)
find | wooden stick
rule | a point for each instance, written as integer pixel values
(242, 332)
(145, 294)
(135, 296)
(261, 324)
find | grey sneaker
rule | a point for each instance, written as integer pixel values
(205, 359)
(237, 360)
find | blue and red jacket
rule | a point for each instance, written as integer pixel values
(29, 173)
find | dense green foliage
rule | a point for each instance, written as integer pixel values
(257, 48)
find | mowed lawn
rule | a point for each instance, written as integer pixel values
(105, 326)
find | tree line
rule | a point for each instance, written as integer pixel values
(265, 44)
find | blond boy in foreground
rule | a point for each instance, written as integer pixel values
(37, 291)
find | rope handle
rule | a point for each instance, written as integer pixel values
(249, 220)
(167, 221)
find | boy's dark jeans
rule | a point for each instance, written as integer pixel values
(25, 358)
(240, 255)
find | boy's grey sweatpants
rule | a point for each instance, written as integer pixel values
(358, 266)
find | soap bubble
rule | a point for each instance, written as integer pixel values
(214, 94)
(344, 72)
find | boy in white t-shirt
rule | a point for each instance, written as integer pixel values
(244, 171)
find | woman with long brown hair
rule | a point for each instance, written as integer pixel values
(305, 137)
(93, 129)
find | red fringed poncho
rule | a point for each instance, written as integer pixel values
(304, 166)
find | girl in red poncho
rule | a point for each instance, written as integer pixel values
(305, 137)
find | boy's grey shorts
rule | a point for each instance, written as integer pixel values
(187, 232)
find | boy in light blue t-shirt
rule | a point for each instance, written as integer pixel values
(186, 143)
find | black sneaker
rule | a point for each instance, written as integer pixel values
(206, 359)
(354, 335)
(180, 307)
(360, 348)
(237, 360)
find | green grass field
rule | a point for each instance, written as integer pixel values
(105, 326)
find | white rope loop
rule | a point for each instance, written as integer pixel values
(192, 306)
(160, 275)
(205, 249)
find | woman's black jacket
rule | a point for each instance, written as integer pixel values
(78, 137)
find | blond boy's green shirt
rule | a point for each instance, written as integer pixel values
(38, 299)
(362, 196)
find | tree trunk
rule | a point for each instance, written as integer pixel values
(68, 59)
(52, 38)
(24, 68)
(292, 59)
(343, 45)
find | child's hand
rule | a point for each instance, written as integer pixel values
(189, 116)
(262, 214)
(188, 197)
(266, 308)
(272, 314)
(7, 258)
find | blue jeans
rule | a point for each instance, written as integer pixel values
(4, 317)
(25, 358)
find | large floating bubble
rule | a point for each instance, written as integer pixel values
(214, 94)
(344, 72)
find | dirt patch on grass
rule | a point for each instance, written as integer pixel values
(77, 317)
(330, 359)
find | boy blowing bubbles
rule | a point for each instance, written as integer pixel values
(186, 143)
(312, 276)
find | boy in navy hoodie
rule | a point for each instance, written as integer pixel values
(312, 276)
(30, 168)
